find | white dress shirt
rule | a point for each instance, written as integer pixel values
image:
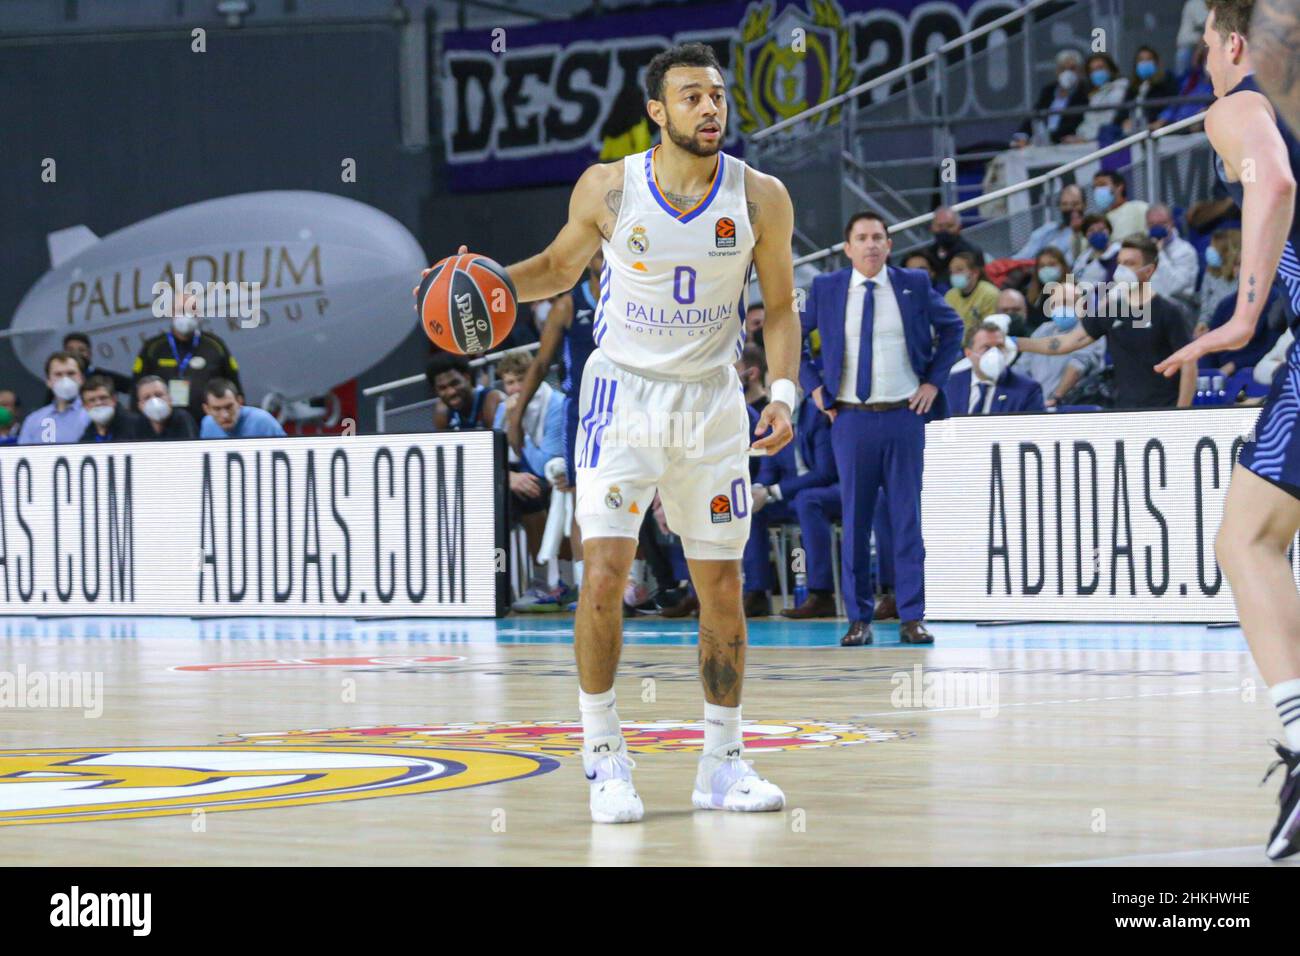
(1176, 272)
(892, 378)
(975, 383)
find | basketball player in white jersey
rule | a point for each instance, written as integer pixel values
(661, 406)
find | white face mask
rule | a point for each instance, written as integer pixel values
(156, 408)
(1068, 79)
(65, 388)
(184, 325)
(101, 414)
(1125, 275)
(991, 364)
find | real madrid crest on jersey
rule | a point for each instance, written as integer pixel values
(638, 242)
(614, 500)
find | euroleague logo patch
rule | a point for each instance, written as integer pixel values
(720, 509)
(564, 739)
(314, 663)
(724, 233)
(74, 785)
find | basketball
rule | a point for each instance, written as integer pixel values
(467, 304)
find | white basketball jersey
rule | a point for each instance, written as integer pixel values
(673, 288)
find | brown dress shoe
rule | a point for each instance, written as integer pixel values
(757, 604)
(914, 632)
(859, 634)
(886, 609)
(683, 608)
(815, 605)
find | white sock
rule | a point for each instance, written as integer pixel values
(638, 570)
(1286, 698)
(721, 726)
(599, 718)
(577, 574)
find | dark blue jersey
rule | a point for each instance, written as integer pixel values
(579, 342)
(456, 421)
(1288, 270)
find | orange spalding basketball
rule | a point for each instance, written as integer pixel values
(467, 304)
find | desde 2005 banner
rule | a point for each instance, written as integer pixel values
(1108, 516)
(388, 525)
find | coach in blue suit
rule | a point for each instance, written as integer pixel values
(802, 468)
(989, 387)
(888, 343)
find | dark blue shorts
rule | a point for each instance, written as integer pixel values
(1273, 452)
(571, 437)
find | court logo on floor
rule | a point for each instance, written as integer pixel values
(71, 785)
(563, 739)
(315, 663)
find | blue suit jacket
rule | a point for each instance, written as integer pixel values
(931, 329)
(1012, 393)
(812, 432)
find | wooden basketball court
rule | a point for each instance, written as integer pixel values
(427, 742)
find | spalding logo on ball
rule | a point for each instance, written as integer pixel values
(467, 303)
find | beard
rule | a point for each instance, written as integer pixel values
(688, 142)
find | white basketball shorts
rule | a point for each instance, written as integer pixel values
(690, 440)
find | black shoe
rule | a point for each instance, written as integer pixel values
(757, 604)
(859, 634)
(1285, 838)
(914, 632)
(668, 598)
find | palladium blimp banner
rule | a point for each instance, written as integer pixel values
(375, 526)
(1109, 516)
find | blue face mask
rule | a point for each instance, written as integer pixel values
(1049, 274)
(959, 280)
(1098, 240)
(1158, 232)
(1099, 77)
(1102, 197)
(1212, 258)
(1146, 69)
(1064, 319)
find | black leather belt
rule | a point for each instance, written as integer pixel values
(871, 406)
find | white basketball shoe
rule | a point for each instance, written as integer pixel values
(609, 771)
(726, 782)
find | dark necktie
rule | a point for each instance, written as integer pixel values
(864, 342)
(984, 394)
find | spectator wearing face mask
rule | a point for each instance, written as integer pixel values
(1065, 232)
(1141, 328)
(1222, 260)
(1179, 263)
(160, 421)
(1050, 267)
(108, 420)
(187, 358)
(78, 344)
(1110, 198)
(755, 314)
(990, 386)
(226, 415)
(1057, 374)
(64, 420)
(1150, 81)
(1067, 92)
(10, 416)
(972, 296)
(948, 241)
(1109, 90)
(1012, 304)
(1098, 261)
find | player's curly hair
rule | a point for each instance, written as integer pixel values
(684, 54)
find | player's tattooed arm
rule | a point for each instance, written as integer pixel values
(1274, 40)
(559, 266)
(1072, 341)
(722, 664)
(613, 202)
(752, 207)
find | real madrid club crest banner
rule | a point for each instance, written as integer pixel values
(375, 526)
(537, 104)
(1085, 517)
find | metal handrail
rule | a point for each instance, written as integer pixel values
(906, 68)
(1030, 183)
(474, 363)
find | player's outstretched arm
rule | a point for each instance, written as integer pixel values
(1245, 135)
(772, 217)
(593, 210)
(1071, 341)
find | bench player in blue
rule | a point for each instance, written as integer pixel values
(681, 227)
(1258, 159)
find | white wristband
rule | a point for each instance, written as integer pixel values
(783, 390)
